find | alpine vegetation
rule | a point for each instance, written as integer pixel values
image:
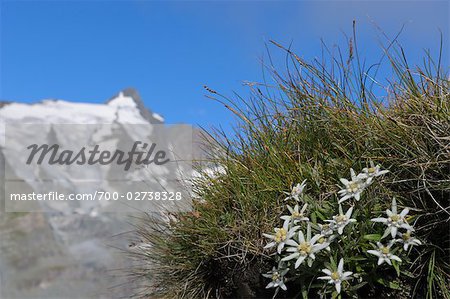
(294, 249)
(305, 206)
(338, 276)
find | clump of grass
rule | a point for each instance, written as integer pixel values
(314, 123)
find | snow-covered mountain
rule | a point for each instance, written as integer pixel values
(71, 237)
(117, 124)
(125, 107)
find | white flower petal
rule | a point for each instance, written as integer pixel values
(290, 257)
(286, 225)
(301, 237)
(396, 258)
(407, 226)
(280, 247)
(386, 232)
(344, 198)
(270, 245)
(324, 277)
(290, 209)
(394, 206)
(380, 219)
(374, 252)
(269, 236)
(338, 287)
(348, 214)
(341, 265)
(304, 208)
(344, 181)
(315, 238)
(346, 274)
(299, 261)
(291, 243)
(404, 212)
(393, 231)
(291, 249)
(270, 285)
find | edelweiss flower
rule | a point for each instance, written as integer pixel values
(325, 241)
(352, 188)
(384, 253)
(296, 191)
(394, 220)
(341, 220)
(407, 240)
(373, 171)
(296, 216)
(337, 277)
(281, 236)
(303, 249)
(326, 229)
(277, 276)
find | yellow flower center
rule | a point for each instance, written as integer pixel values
(296, 215)
(406, 236)
(385, 250)
(321, 240)
(335, 275)
(280, 235)
(353, 186)
(371, 170)
(341, 218)
(275, 276)
(395, 218)
(304, 248)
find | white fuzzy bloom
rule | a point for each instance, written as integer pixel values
(281, 236)
(384, 253)
(352, 188)
(338, 276)
(303, 249)
(296, 215)
(325, 241)
(326, 229)
(372, 172)
(408, 240)
(277, 277)
(296, 191)
(394, 221)
(341, 220)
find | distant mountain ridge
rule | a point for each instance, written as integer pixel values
(117, 124)
(71, 237)
(126, 104)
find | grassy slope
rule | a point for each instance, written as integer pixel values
(311, 127)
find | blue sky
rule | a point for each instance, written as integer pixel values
(89, 50)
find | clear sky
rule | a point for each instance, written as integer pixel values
(167, 50)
